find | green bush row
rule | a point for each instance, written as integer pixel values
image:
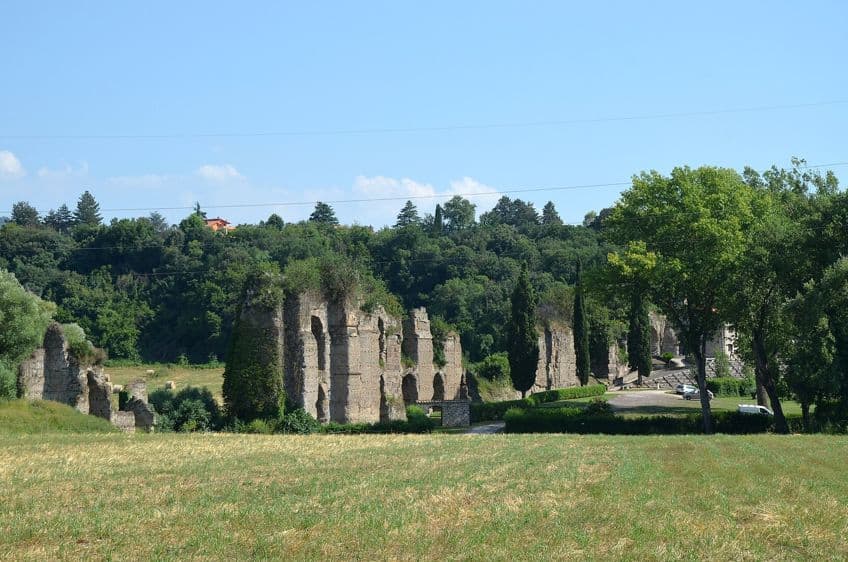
(575, 420)
(731, 386)
(299, 421)
(492, 411)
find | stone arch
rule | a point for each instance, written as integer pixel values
(318, 334)
(409, 387)
(439, 386)
(322, 406)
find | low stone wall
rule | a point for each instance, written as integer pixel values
(125, 421)
(456, 413)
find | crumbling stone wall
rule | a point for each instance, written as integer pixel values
(557, 366)
(99, 394)
(453, 373)
(418, 346)
(342, 364)
(125, 421)
(456, 413)
(663, 337)
(52, 373)
(143, 415)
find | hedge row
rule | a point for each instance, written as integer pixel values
(575, 420)
(730, 386)
(490, 411)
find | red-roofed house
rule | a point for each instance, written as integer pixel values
(218, 223)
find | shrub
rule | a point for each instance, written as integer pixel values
(258, 426)
(722, 364)
(667, 357)
(569, 393)
(8, 381)
(202, 414)
(298, 421)
(494, 367)
(598, 407)
(730, 386)
(417, 422)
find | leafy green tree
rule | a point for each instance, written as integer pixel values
(275, 221)
(523, 339)
(458, 214)
(23, 320)
(407, 216)
(253, 378)
(24, 214)
(158, 222)
(61, 220)
(694, 222)
(323, 214)
(581, 330)
(88, 210)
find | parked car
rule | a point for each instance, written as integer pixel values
(754, 409)
(695, 394)
(684, 388)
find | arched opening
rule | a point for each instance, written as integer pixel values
(409, 387)
(318, 334)
(382, 327)
(439, 387)
(322, 412)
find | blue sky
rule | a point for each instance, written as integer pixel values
(85, 85)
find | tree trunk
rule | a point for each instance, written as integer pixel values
(763, 372)
(701, 360)
(805, 415)
(762, 397)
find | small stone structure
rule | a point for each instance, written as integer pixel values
(52, 372)
(557, 367)
(455, 413)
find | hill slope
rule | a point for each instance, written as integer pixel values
(23, 417)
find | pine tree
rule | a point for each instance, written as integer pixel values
(88, 210)
(550, 215)
(438, 227)
(581, 330)
(198, 211)
(407, 216)
(639, 338)
(323, 214)
(523, 340)
(64, 219)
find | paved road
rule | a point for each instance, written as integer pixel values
(487, 429)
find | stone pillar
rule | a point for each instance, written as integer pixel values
(418, 346)
(138, 389)
(99, 394)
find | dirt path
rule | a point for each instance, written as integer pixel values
(643, 399)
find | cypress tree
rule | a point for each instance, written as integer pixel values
(639, 338)
(581, 330)
(253, 378)
(523, 340)
(88, 210)
(64, 219)
(438, 220)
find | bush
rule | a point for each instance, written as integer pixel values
(417, 422)
(574, 420)
(730, 386)
(569, 393)
(667, 357)
(201, 414)
(260, 427)
(8, 381)
(494, 367)
(298, 421)
(598, 407)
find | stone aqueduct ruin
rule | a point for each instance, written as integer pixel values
(340, 364)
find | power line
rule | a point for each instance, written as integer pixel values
(443, 128)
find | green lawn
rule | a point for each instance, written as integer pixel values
(438, 497)
(212, 379)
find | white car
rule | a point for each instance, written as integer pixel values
(684, 388)
(754, 409)
(695, 394)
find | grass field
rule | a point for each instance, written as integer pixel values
(439, 497)
(182, 376)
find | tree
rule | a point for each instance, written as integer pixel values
(323, 214)
(581, 330)
(438, 221)
(407, 216)
(275, 221)
(158, 222)
(253, 378)
(550, 215)
(523, 339)
(88, 210)
(24, 214)
(458, 214)
(23, 320)
(589, 218)
(198, 211)
(639, 338)
(695, 222)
